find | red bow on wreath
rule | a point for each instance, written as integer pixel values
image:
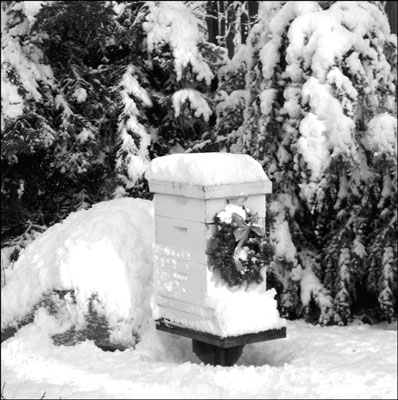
(241, 233)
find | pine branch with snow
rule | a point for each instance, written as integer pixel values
(321, 84)
(182, 69)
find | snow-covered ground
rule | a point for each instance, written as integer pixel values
(358, 361)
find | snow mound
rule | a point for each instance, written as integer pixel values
(206, 169)
(105, 251)
(244, 311)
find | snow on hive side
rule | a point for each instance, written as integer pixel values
(206, 169)
(241, 312)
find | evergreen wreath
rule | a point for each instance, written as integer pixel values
(238, 251)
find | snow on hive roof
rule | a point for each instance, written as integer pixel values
(206, 169)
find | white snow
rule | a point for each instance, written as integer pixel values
(382, 134)
(313, 144)
(80, 94)
(206, 169)
(331, 33)
(31, 8)
(280, 233)
(196, 101)
(239, 312)
(226, 214)
(325, 129)
(134, 159)
(358, 361)
(231, 101)
(267, 98)
(85, 135)
(311, 287)
(130, 85)
(26, 62)
(172, 22)
(12, 105)
(269, 54)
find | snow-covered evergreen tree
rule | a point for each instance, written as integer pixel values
(26, 90)
(91, 92)
(322, 87)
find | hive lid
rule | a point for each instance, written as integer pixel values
(207, 175)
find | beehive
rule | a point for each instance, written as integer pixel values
(185, 207)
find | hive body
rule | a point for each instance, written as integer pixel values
(184, 223)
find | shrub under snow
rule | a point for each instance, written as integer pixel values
(101, 258)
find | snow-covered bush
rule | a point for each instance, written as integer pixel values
(92, 272)
(322, 121)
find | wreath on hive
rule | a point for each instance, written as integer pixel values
(238, 251)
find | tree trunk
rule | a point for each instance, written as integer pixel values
(391, 11)
(231, 17)
(253, 10)
(212, 21)
(221, 18)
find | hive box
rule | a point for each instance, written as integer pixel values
(186, 201)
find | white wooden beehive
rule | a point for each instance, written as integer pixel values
(184, 222)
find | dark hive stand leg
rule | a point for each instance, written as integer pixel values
(215, 355)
